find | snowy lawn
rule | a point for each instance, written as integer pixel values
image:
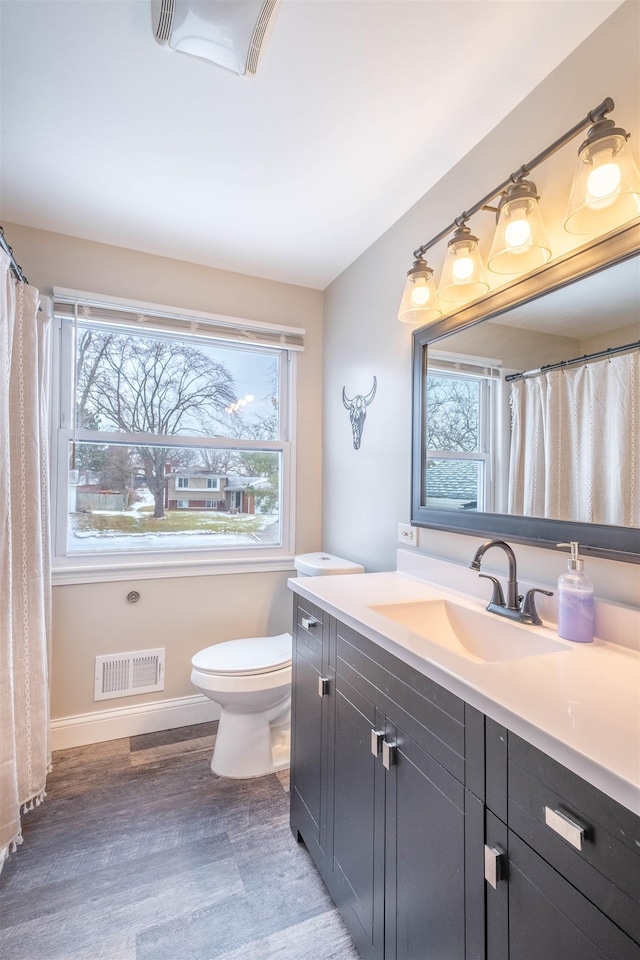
(142, 523)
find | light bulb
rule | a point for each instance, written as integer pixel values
(462, 268)
(419, 302)
(420, 293)
(603, 183)
(517, 234)
(249, 398)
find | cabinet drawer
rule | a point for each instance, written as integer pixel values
(589, 838)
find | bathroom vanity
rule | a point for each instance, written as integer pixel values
(463, 801)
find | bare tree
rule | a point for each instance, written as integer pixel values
(453, 410)
(153, 386)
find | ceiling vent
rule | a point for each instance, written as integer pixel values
(229, 33)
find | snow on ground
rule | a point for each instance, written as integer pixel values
(115, 540)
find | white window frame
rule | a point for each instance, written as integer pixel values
(102, 566)
(183, 504)
(182, 483)
(486, 373)
(213, 483)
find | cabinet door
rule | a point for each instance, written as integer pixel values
(358, 824)
(549, 918)
(307, 738)
(425, 857)
(311, 735)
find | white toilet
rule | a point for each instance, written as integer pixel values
(251, 681)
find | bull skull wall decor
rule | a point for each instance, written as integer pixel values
(358, 412)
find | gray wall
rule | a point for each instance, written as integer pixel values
(367, 492)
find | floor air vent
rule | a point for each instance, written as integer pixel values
(126, 674)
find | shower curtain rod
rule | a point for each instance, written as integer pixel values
(609, 352)
(16, 269)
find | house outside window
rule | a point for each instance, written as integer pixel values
(145, 414)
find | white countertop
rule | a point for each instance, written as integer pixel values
(580, 705)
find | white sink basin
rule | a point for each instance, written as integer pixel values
(473, 633)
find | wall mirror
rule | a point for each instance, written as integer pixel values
(553, 455)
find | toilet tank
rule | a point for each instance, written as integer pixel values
(324, 564)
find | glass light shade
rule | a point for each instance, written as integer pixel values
(419, 302)
(520, 242)
(606, 185)
(463, 274)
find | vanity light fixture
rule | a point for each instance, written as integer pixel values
(520, 242)
(605, 194)
(463, 274)
(419, 302)
(606, 185)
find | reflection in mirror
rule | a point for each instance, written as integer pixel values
(527, 407)
(518, 421)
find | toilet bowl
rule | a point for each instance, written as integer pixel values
(250, 679)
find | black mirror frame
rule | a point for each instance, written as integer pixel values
(615, 543)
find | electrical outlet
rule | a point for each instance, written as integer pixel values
(407, 534)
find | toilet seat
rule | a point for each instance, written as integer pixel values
(249, 656)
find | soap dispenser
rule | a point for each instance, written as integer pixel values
(575, 600)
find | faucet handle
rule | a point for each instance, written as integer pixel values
(497, 596)
(528, 607)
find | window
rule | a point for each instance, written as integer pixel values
(144, 415)
(459, 436)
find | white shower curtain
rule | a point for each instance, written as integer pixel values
(575, 443)
(25, 582)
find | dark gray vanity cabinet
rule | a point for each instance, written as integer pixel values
(570, 861)
(440, 834)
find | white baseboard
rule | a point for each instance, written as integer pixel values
(121, 722)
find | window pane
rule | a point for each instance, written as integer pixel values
(453, 413)
(146, 383)
(130, 497)
(454, 484)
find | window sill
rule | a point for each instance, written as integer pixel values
(141, 569)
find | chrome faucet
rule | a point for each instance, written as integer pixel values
(517, 607)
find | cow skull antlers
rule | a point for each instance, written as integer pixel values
(358, 411)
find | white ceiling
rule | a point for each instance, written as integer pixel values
(357, 109)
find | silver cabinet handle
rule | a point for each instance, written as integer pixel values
(388, 754)
(377, 736)
(493, 865)
(309, 623)
(563, 825)
(323, 686)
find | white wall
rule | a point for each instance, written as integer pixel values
(187, 613)
(367, 492)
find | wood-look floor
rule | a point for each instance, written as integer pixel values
(140, 853)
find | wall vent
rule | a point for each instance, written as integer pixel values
(126, 674)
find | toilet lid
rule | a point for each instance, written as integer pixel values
(250, 655)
